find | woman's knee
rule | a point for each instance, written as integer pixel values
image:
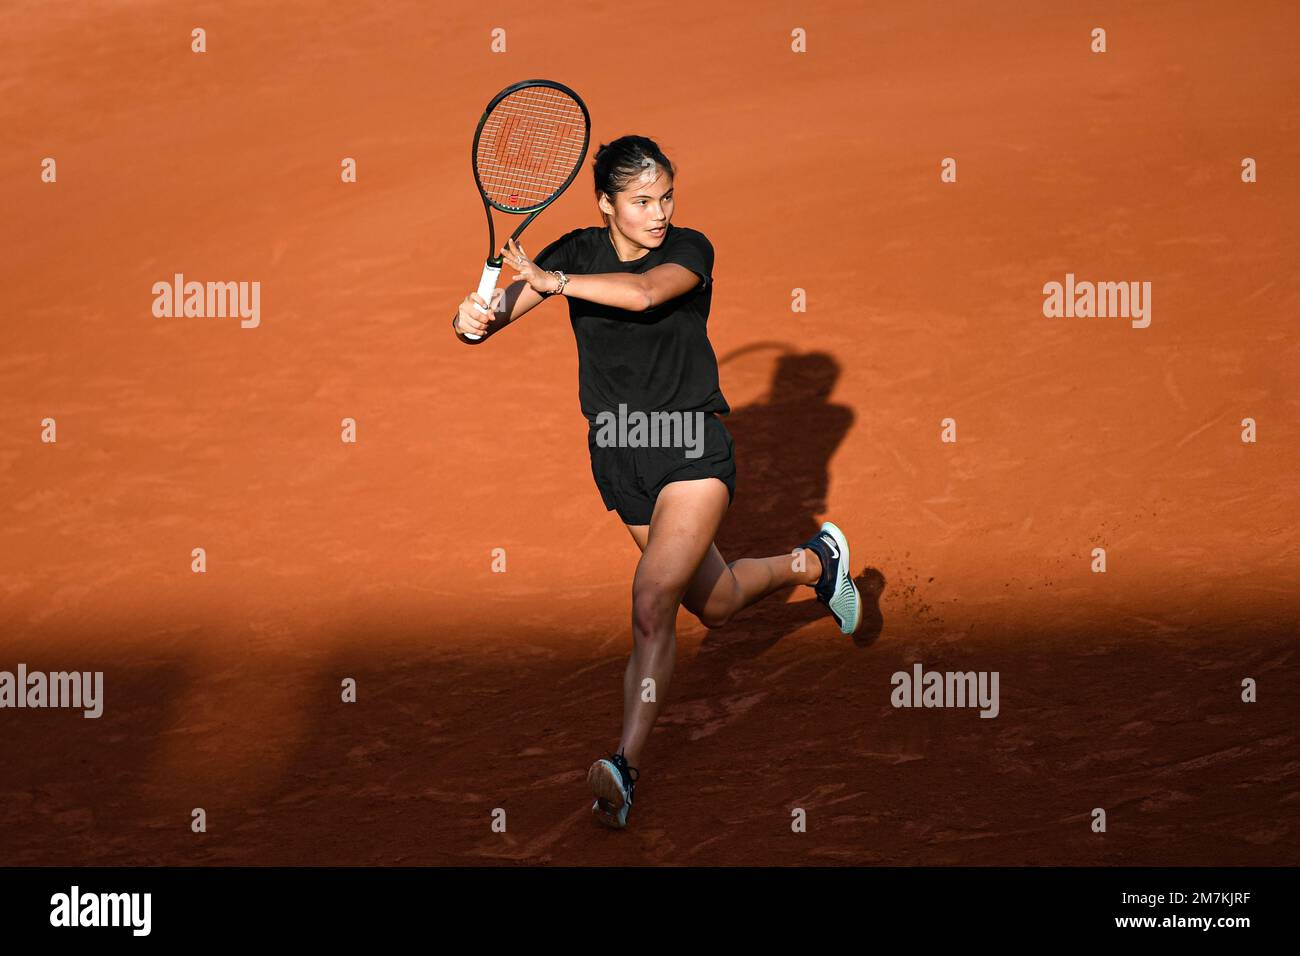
(720, 605)
(653, 611)
(714, 619)
(718, 612)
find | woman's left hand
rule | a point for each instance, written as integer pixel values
(539, 279)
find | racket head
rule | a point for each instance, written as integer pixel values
(529, 145)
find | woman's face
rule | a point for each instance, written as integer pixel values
(643, 208)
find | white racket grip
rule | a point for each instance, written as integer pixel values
(487, 286)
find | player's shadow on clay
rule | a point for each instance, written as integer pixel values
(784, 445)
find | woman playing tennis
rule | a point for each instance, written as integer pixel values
(639, 291)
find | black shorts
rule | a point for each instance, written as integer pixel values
(630, 478)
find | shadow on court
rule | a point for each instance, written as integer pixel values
(784, 446)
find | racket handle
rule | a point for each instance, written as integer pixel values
(487, 285)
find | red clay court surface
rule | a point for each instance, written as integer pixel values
(478, 690)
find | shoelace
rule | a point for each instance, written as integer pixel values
(627, 772)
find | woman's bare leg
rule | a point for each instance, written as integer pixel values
(686, 518)
(719, 590)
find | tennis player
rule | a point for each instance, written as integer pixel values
(639, 291)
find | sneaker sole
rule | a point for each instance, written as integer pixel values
(605, 783)
(846, 574)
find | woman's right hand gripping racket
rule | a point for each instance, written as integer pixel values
(530, 143)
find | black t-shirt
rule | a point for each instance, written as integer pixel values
(658, 360)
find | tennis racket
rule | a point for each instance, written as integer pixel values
(530, 143)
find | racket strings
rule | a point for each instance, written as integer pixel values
(529, 146)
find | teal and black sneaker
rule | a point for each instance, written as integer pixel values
(835, 587)
(612, 781)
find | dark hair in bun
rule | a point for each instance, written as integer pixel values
(622, 161)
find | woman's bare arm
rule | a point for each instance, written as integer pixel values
(517, 299)
(630, 293)
(634, 293)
